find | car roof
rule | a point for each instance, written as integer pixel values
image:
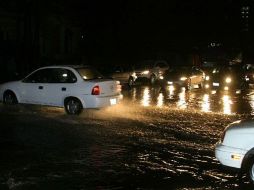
(67, 66)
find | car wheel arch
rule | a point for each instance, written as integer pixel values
(248, 158)
(13, 92)
(73, 97)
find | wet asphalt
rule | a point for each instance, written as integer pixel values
(154, 139)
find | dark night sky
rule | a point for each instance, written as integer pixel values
(120, 26)
(120, 30)
(138, 28)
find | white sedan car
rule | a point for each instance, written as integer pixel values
(236, 148)
(71, 87)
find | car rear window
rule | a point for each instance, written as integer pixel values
(89, 73)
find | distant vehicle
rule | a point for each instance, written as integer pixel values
(124, 74)
(236, 147)
(228, 77)
(249, 73)
(184, 76)
(71, 87)
(150, 70)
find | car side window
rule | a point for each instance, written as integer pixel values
(63, 76)
(196, 71)
(40, 76)
(51, 75)
(118, 69)
(161, 65)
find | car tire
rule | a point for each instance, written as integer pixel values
(152, 80)
(131, 81)
(9, 98)
(73, 106)
(250, 171)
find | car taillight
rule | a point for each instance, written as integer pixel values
(96, 90)
(119, 86)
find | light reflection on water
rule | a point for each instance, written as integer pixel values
(146, 98)
(160, 100)
(227, 102)
(251, 101)
(182, 104)
(205, 101)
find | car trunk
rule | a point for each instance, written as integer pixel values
(106, 87)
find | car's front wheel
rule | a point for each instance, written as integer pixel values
(73, 106)
(9, 98)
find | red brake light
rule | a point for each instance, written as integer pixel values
(96, 90)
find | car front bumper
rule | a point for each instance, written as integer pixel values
(229, 156)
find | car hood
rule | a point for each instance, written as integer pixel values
(176, 75)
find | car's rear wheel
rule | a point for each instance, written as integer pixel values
(251, 171)
(73, 106)
(10, 98)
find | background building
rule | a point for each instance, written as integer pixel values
(37, 33)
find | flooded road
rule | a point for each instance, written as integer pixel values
(149, 141)
(225, 102)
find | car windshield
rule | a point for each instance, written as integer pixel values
(234, 69)
(180, 70)
(89, 73)
(145, 65)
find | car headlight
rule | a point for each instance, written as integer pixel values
(145, 72)
(228, 80)
(207, 78)
(183, 78)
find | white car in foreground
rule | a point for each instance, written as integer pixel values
(236, 148)
(71, 87)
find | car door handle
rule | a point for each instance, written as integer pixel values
(40, 87)
(63, 89)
